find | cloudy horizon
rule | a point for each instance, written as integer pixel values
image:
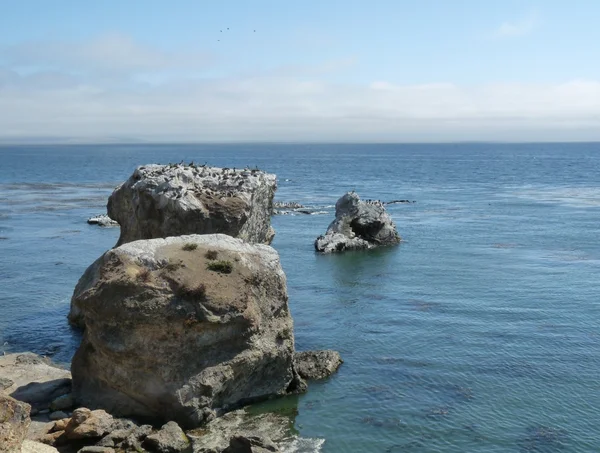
(392, 72)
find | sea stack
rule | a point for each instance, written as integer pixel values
(184, 328)
(159, 201)
(358, 225)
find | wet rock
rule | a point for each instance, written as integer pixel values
(358, 225)
(183, 329)
(314, 365)
(250, 444)
(170, 439)
(103, 221)
(14, 423)
(216, 436)
(159, 201)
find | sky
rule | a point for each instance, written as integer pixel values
(299, 71)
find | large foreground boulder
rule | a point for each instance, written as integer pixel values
(159, 201)
(14, 423)
(183, 328)
(358, 225)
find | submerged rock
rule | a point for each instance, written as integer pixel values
(183, 328)
(102, 220)
(358, 225)
(313, 365)
(159, 201)
(14, 423)
(251, 444)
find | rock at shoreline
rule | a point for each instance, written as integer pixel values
(358, 225)
(34, 379)
(183, 328)
(102, 220)
(251, 444)
(159, 201)
(217, 436)
(313, 365)
(170, 439)
(14, 423)
(30, 446)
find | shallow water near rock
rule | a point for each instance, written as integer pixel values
(478, 333)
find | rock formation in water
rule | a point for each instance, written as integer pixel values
(358, 225)
(159, 201)
(102, 220)
(314, 365)
(14, 423)
(183, 328)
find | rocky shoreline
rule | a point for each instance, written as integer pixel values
(185, 322)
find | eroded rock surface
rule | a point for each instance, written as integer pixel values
(358, 225)
(183, 328)
(313, 365)
(271, 429)
(14, 423)
(159, 201)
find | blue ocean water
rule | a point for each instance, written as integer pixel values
(479, 333)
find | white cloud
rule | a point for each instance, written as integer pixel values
(516, 28)
(285, 108)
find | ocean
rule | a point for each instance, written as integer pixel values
(479, 333)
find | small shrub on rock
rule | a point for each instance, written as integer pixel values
(211, 255)
(223, 267)
(189, 246)
(193, 293)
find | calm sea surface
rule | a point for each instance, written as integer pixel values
(479, 333)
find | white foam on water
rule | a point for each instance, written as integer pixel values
(302, 445)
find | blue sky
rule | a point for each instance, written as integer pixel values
(312, 71)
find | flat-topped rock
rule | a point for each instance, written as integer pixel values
(358, 225)
(159, 201)
(183, 328)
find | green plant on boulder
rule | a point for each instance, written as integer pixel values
(223, 267)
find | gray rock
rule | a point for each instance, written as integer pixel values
(166, 337)
(96, 449)
(14, 423)
(41, 394)
(314, 365)
(103, 220)
(358, 225)
(134, 439)
(159, 201)
(250, 444)
(58, 415)
(170, 439)
(34, 379)
(5, 383)
(216, 436)
(63, 402)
